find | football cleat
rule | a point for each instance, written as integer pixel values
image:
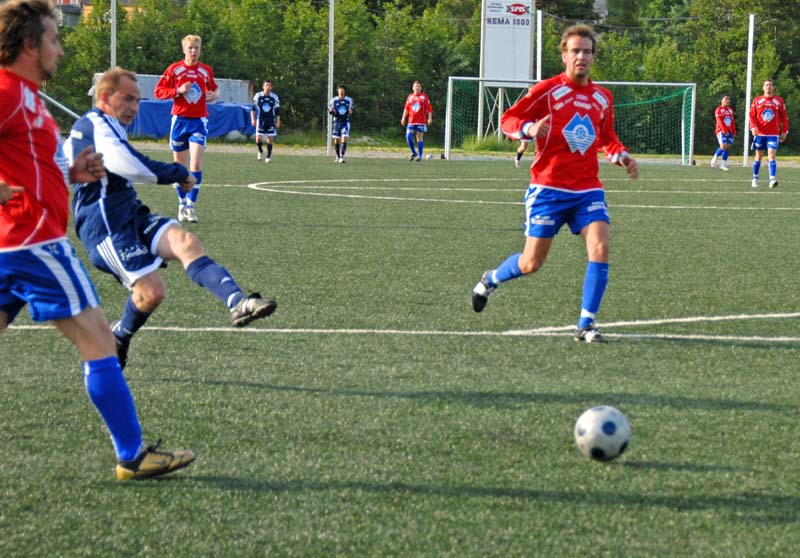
(250, 308)
(341, 160)
(589, 334)
(122, 346)
(516, 162)
(258, 156)
(713, 164)
(182, 213)
(412, 157)
(191, 214)
(773, 182)
(337, 160)
(481, 292)
(754, 183)
(153, 462)
(267, 160)
(724, 167)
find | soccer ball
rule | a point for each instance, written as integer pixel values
(602, 433)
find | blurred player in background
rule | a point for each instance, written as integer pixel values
(121, 235)
(725, 131)
(524, 143)
(190, 84)
(769, 126)
(419, 114)
(38, 265)
(266, 118)
(341, 107)
(571, 118)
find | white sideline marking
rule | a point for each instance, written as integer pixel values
(554, 331)
(299, 185)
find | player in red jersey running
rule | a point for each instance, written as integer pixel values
(769, 126)
(571, 118)
(38, 265)
(190, 84)
(419, 114)
(725, 131)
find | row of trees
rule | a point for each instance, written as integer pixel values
(382, 46)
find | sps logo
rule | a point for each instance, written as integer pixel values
(518, 9)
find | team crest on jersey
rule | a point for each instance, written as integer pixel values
(579, 133)
(767, 115)
(415, 106)
(194, 93)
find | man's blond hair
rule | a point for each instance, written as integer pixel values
(191, 39)
(109, 81)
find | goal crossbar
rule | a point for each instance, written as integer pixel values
(650, 117)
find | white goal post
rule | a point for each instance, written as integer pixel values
(651, 118)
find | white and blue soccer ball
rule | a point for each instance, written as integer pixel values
(602, 433)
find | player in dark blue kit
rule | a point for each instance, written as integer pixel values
(266, 118)
(341, 107)
(121, 235)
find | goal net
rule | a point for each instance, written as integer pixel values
(650, 118)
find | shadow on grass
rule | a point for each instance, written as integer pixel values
(746, 507)
(501, 399)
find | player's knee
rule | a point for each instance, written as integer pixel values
(529, 265)
(149, 292)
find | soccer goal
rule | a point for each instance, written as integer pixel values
(650, 118)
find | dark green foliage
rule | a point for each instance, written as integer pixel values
(382, 46)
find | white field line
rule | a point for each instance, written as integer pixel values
(554, 331)
(320, 187)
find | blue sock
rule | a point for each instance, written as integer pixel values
(181, 194)
(594, 286)
(269, 150)
(109, 393)
(338, 152)
(773, 168)
(213, 277)
(756, 168)
(724, 155)
(420, 147)
(192, 195)
(410, 141)
(344, 148)
(507, 270)
(719, 152)
(131, 321)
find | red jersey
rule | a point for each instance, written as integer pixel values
(725, 121)
(768, 116)
(31, 157)
(418, 107)
(581, 122)
(191, 104)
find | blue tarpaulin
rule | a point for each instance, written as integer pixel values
(154, 119)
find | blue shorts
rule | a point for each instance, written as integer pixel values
(265, 130)
(128, 251)
(547, 209)
(187, 130)
(340, 129)
(411, 128)
(49, 278)
(762, 143)
(725, 138)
